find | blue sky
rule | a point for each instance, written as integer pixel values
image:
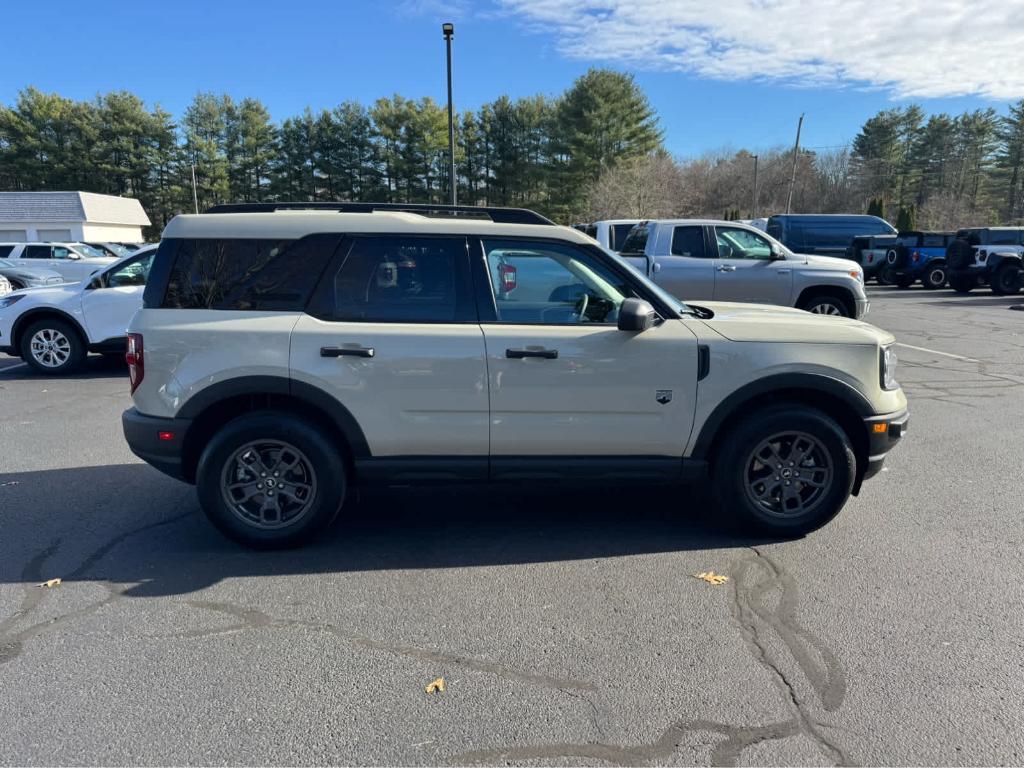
(725, 74)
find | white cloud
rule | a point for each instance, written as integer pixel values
(912, 48)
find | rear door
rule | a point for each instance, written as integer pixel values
(564, 380)
(687, 272)
(745, 270)
(392, 334)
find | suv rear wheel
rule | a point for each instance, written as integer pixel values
(934, 276)
(787, 470)
(1007, 280)
(52, 346)
(271, 480)
(826, 304)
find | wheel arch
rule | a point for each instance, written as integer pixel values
(835, 398)
(215, 406)
(837, 291)
(30, 316)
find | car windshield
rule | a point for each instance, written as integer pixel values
(90, 252)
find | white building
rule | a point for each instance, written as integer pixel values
(70, 217)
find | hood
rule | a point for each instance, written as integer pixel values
(823, 262)
(768, 323)
(50, 293)
(24, 273)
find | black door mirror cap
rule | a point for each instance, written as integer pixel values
(636, 315)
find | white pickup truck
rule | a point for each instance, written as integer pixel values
(697, 259)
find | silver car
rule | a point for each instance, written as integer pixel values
(21, 276)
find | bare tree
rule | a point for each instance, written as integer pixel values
(645, 187)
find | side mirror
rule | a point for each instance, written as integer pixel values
(96, 282)
(635, 315)
(777, 255)
(73, 256)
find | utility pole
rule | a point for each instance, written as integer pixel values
(796, 154)
(753, 205)
(195, 194)
(449, 31)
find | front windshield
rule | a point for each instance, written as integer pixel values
(90, 252)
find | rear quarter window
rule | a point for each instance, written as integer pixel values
(244, 274)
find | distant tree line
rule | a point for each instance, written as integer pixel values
(539, 152)
(595, 151)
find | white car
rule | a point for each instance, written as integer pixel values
(284, 356)
(71, 260)
(53, 328)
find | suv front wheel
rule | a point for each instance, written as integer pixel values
(786, 471)
(271, 480)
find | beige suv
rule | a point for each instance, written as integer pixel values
(288, 352)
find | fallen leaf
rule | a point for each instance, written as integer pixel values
(711, 577)
(50, 583)
(437, 686)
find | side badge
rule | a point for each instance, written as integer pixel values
(663, 396)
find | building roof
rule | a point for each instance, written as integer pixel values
(88, 207)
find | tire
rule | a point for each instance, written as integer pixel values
(1007, 280)
(959, 254)
(887, 275)
(826, 304)
(961, 283)
(904, 281)
(934, 276)
(309, 494)
(52, 347)
(742, 471)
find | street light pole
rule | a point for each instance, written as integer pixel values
(753, 205)
(796, 153)
(449, 31)
(195, 194)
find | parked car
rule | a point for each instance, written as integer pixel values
(986, 256)
(284, 357)
(72, 262)
(611, 233)
(870, 252)
(114, 250)
(21, 276)
(824, 234)
(728, 261)
(53, 328)
(919, 256)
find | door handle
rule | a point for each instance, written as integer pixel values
(353, 351)
(726, 268)
(518, 354)
(783, 271)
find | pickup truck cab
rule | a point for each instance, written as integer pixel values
(698, 260)
(70, 260)
(611, 233)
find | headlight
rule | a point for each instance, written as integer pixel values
(887, 365)
(6, 301)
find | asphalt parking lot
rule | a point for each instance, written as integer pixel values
(568, 626)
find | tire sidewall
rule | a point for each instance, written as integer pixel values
(844, 311)
(75, 358)
(1007, 280)
(929, 272)
(325, 457)
(729, 470)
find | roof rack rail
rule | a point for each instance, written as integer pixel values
(496, 214)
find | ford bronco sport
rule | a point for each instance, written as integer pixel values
(287, 352)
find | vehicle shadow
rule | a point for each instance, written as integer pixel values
(93, 367)
(129, 525)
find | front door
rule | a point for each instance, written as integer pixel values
(688, 271)
(564, 381)
(392, 335)
(114, 297)
(745, 270)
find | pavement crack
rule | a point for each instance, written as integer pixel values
(251, 618)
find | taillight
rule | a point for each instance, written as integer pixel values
(508, 277)
(917, 256)
(136, 360)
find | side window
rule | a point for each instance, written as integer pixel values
(736, 243)
(36, 252)
(636, 240)
(619, 233)
(539, 283)
(403, 279)
(244, 274)
(5, 251)
(689, 241)
(933, 241)
(1004, 237)
(130, 273)
(60, 252)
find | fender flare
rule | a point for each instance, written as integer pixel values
(732, 403)
(996, 260)
(26, 318)
(281, 385)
